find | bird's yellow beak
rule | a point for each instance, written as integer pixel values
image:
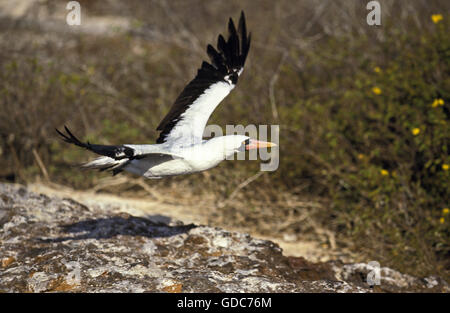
(256, 144)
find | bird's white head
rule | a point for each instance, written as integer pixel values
(228, 145)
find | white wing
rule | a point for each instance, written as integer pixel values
(188, 116)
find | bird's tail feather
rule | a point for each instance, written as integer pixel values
(106, 163)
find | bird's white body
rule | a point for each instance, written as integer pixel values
(163, 160)
(152, 168)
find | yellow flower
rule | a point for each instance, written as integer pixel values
(360, 156)
(436, 18)
(442, 220)
(377, 69)
(445, 167)
(445, 211)
(437, 102)
(384, 172)
(415, 131)
(376, 90)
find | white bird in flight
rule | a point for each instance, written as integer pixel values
(180, 148)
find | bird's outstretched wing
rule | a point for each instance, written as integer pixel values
(187, 118)
(116, 157)
(117, 152)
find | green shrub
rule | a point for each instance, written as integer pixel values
(378, 141)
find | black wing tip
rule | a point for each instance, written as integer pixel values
(116, 152)
(70, 138)
(65, 137)
(231, 27)
(241, 18)
(60, 133)
(231, 53)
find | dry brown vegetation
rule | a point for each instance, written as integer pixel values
(352, 172)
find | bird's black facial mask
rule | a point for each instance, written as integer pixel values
(244, 145)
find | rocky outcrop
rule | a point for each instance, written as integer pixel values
(59, 245)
